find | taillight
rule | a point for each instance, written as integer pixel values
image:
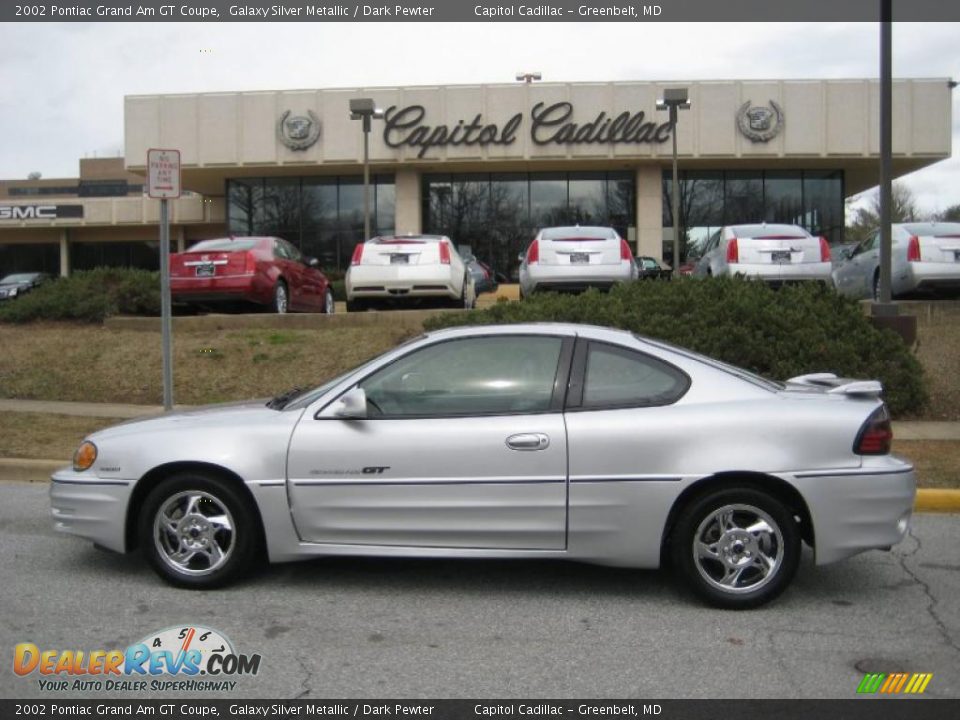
(733, 252)
(625, 253)
(444, 254)
(876, 434)
(249, 264)
(913, 249)
(357, 254)
(533, 252)
(824, 250)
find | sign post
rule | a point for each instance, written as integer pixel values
(163, 173)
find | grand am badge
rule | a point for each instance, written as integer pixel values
(299, 131)
(758, 123)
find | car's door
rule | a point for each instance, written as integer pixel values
(855, 277)
(312, 287)
(464, 446)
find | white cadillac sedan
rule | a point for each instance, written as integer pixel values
(574, 259)
(516, 441)
(406, 268)
(774, 253)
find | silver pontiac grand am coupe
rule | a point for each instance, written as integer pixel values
(517, 441)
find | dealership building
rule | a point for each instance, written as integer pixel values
(485, 164)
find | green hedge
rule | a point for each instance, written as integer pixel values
(88, 296)
(777, 333)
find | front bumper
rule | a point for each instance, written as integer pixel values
(859, 509)
(90, 507)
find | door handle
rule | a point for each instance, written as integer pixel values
(528, 441)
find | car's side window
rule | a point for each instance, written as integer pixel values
(473, 376)
(619, 377)
(293, 252)
(279, 251)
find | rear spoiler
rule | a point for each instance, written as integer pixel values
(838, 385)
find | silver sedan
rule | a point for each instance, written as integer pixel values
(924, 257)
(574, 259)
(519, 441)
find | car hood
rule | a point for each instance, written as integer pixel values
(220, 416)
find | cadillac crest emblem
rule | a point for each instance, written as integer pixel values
(758, 123)
(300, 131)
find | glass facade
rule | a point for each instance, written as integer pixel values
(497, 214)
(323, 216)
(30, 257)
(710, 199)
(89, 255)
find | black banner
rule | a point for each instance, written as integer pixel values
(865, 709)
(477, 11)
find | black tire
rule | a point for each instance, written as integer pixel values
(241, 545)
(739, 554)
(281, 298)
(329, 304)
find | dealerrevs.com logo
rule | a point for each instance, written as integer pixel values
(180, 658)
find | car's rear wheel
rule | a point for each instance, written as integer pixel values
(199, 531)
(281, 298)
(329, 304)
(736, 548)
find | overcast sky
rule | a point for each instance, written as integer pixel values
(64, 83)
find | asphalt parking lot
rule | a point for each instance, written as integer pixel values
(431, 629)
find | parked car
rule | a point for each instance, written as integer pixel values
(408, 268)
(924, 258)
(18, 284)
(649, 268)
(484, 279)
(574, 259)
(514, 441)
(774, 253)
(265, 271)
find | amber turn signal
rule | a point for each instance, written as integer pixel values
(85, 456)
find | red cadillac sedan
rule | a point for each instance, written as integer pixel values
(262, 270)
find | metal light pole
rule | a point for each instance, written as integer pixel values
(675, 99)
(365, 109)
(886, 148)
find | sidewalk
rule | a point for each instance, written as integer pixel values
(903, 430)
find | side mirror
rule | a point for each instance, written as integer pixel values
(520, 257)
(353, 404)
(311, 262)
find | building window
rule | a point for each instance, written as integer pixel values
(133, 254)
(812, 199)
(322, 216)
(496, 215)
(29, 257)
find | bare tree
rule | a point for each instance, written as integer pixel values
(866, 219)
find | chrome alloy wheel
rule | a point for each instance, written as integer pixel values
(329, 305)
(194, 533)
(738, 548)
(280, 298)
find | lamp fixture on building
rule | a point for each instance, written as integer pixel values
(675, 99)
(365, 109)
(528, 77)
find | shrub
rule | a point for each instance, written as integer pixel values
(777, 333)
(88, 296)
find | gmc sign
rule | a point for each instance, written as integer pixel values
(40, 212)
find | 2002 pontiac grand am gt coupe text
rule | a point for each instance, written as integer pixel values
(521, 441)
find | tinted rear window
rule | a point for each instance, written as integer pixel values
(224, 245)
(578, 233)
(407, 239)
(933, 228)
(771, 231)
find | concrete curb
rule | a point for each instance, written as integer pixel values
(39, 471)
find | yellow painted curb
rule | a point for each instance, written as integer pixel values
(932, 500)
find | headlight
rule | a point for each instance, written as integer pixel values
(12, 292)
(85, 456)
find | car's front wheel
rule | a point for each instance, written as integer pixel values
(199, 531)
(329, 304)
(281, 298)
(736, 548)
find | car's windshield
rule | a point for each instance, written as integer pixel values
(223, 245)
(739, 372)
(308, 396)
(945, 228)
(578, 233)
(18, 278)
